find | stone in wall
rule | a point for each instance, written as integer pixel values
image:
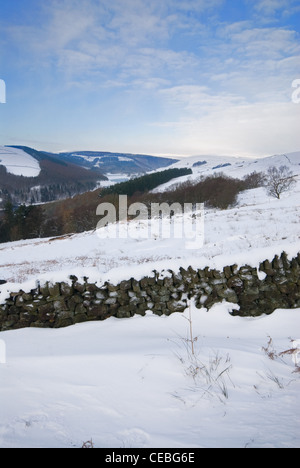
(64, 304)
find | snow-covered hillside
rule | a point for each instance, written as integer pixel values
(206, 165)
(257, 228)
(114, 163)
(19, 163)
(237, 166)
(134, 382)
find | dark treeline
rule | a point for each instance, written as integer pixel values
(145, 183)
(24, 222)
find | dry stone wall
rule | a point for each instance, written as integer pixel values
(63, 304)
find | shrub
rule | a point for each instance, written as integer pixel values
(254, 180)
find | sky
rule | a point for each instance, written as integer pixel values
(163, 77)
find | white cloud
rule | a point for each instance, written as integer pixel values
(247, 130)
(67, 24)
(271, 11)
(136, 24)
(199, 121)
(194, 101)
(270, 7)
(272, 43)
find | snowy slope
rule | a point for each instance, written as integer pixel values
(232, 166)
(130, 383)
(237, 165)
(19, 163)
(257, 228)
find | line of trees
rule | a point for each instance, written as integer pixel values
(24, 222)
(145, 183)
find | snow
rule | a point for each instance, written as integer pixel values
(113, 179)
(256, 229)
(124, 159)
(19, 163)
(237, 166)
(231, 166)
(134, 383)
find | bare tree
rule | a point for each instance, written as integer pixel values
(279, 180)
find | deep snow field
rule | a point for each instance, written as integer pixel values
(135, 382)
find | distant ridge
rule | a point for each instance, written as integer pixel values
(238, 166)
(48, 179)
(125, 163)
(103, 162)
(29, 176)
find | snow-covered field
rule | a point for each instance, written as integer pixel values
(135, 382)
(17, 162)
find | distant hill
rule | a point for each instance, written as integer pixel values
(116, 163)
(30, 176)
(19, 163)
(236, 167)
